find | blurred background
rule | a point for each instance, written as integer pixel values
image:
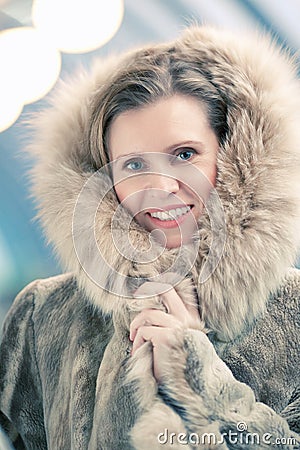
(43, 40)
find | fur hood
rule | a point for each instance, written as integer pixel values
(257, 184)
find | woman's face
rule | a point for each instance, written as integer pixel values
(164, 165)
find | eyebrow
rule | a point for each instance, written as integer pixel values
(185, 144)
(168, 149)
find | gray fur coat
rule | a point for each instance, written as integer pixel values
(67, 380)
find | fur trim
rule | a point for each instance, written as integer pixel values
(258, 173)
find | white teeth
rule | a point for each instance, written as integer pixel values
(164, 216)
(171, 214)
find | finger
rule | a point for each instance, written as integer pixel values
(166, 292)
(173, 303)
(152, 317)
(151, 288)
(155, 335)
(193, 310)
(187, 314)
(162, 339)
(138, 341)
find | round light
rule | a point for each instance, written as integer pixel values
(78, 26)
(30, 66)
(10, 108)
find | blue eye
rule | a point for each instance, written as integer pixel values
(186, 154)
(135, 165)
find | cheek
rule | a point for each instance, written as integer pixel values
(120, 192)
(130, 194)
(125, 189)
(212, 175)
(210, 172)
(200, 185)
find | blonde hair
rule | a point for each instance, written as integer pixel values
(145, 76)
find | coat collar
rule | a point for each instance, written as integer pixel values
(257, 184)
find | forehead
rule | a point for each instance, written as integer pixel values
(158, 126)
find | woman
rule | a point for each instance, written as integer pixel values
(179, 327)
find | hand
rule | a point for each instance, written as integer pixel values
(160, 327)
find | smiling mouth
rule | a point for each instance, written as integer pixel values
(170, 215)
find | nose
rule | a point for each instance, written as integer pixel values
(163, 182)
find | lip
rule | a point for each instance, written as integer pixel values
(166, 224)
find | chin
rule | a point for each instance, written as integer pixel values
(174, 242)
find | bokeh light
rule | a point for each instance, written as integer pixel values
(30, 56)
(10, 107)
(30, 66)
(80, 26)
